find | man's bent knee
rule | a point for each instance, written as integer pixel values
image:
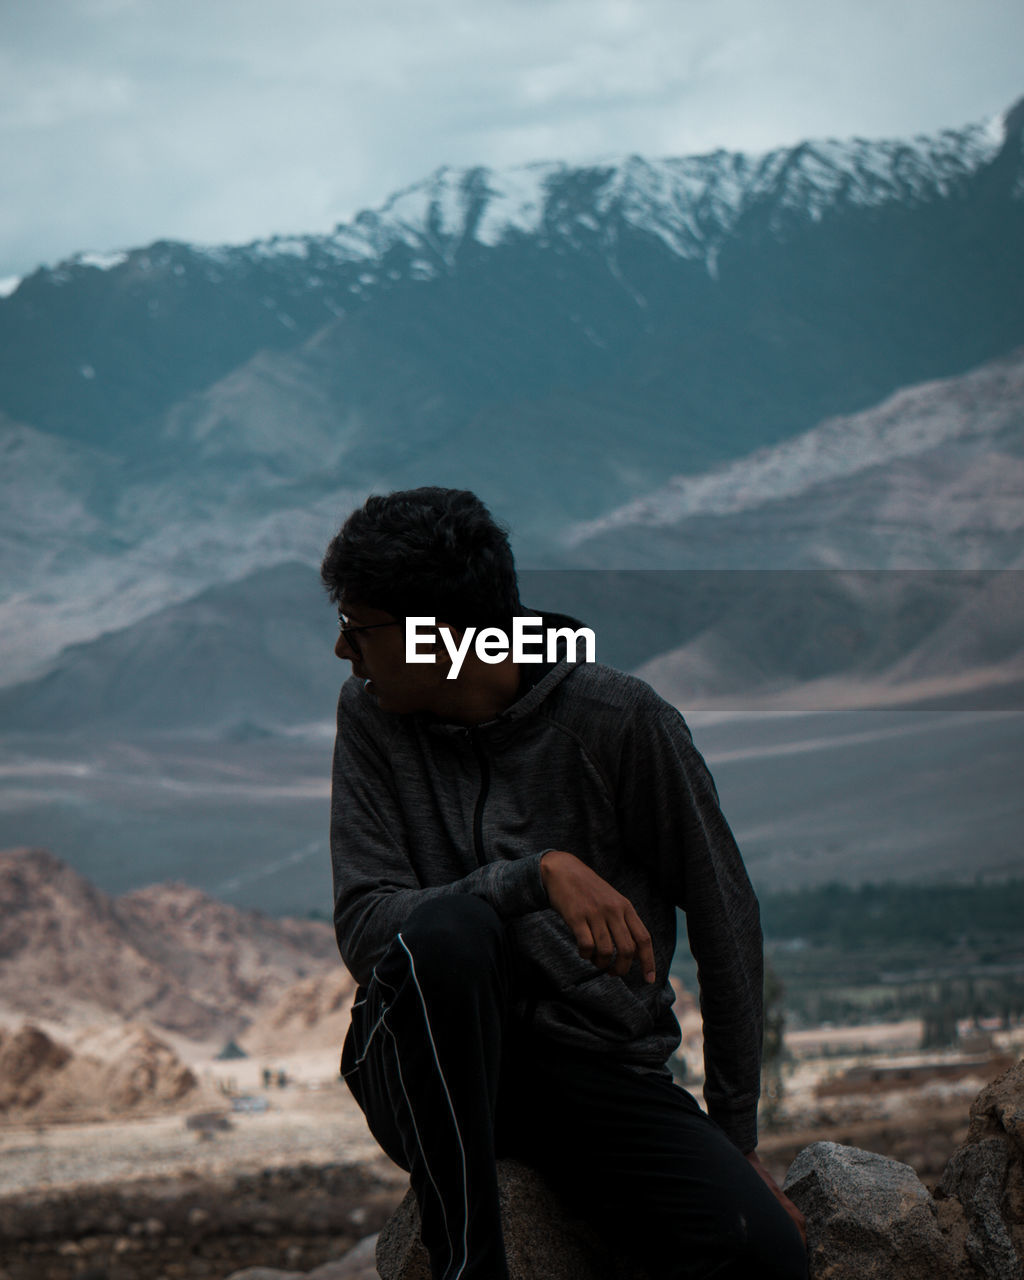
(448, 941)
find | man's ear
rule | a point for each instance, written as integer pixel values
(441, 650)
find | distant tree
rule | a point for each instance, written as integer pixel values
(774, 1049)
(940, 1018)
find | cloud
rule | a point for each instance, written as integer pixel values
(126, 120)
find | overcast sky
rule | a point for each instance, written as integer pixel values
(124, 121)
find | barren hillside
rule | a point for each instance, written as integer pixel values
(168, 954)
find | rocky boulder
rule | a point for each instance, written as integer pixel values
(986, 1178)
(29, 1061)
(868, 1217)
(541, 1239)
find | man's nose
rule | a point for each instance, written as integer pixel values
(343, 649)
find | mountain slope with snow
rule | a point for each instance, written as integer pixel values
(101, 346)
(693, 203)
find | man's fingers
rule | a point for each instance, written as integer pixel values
(606, 927)
(584, 939)
(624, 946)
(615, 941)
(644, 946)
(604, 945)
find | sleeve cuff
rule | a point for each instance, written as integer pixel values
(516, 888)
(739, 1127)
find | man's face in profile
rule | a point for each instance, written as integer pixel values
(374, 642)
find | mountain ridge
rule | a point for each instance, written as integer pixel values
(453, 204)
(179, 306)
(980, 415)
(170, 426)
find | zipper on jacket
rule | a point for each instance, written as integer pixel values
(485, 783)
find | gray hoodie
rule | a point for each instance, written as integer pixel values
(592, 761)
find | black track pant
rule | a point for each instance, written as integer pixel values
(448, 1080)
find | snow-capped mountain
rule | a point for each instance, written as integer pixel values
(102, 345)
(562, 339)
(821, 344)
(693, 204)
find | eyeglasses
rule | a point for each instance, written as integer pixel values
(349, 630)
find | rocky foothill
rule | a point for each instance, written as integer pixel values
(92, 987)
(313, 1012)
(169, 953)
(110, 1072)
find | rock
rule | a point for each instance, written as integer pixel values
(266, 1273)
(29, 1059)
(977, 1176)
(868, 1217)
(109, 1071)
(357, 1264)
(139, 1068)
(986, 1176)
(998, 1111)
(541, 1239)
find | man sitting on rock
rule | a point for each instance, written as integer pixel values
(509, 848)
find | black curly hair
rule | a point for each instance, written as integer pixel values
(425, 552)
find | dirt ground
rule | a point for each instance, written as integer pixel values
(313, 1120)
(289, 1186)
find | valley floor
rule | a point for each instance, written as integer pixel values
(313, 1120)
(814, 797)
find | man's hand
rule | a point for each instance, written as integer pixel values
(780, 1195)
(606, 928)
